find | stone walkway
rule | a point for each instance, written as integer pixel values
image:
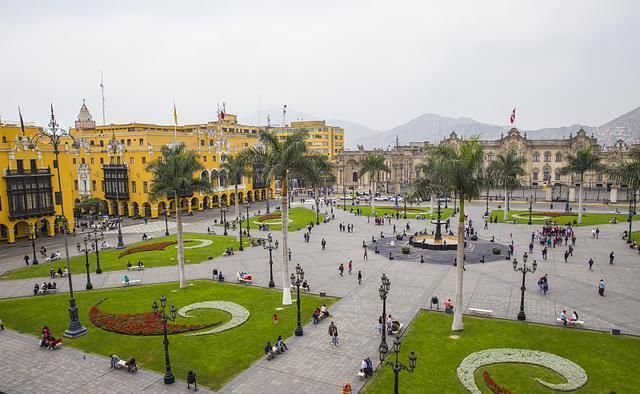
(313, 365)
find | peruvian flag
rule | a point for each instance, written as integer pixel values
(512, 117)
(222, 115)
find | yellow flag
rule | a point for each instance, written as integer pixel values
(175, 114)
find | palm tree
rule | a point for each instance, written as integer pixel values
(281, 158)
(628, 172)
(505, 170)
(457, 168)
(372, 164)
(584, 160)
(236, 168)
(318, 171)
(173, 178)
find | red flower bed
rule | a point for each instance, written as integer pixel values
(554, 214)
(493, 386)
(149, 247)
(269, 217)
(139, 323)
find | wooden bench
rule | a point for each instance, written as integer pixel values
(397, 330)
(135, 268)
(247, 279)
(571, 323)
(483, 312)
(132, 282)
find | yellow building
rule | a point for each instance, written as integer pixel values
(328, 140)
(112, 165)
(31, 193)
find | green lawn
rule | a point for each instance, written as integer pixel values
(636, 236)
(411, 211)
(215, 358)
(588, 219)
(110, 260)
(611, 362)
(298, 218)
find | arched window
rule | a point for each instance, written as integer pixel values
(559, 156)
(490, 156)
(535, 176)
(547, 175)
(547, 156)
(355, 176)
(536, 157)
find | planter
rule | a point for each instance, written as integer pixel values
(496, 250)
(474, 237)
(399, 237)
(405, 249)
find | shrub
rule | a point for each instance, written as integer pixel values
(493, 386)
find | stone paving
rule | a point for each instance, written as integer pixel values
(313, 365)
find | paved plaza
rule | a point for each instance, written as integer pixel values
(313, 365)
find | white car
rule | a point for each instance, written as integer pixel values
(346, 198)
(381, 198)
(363, 198)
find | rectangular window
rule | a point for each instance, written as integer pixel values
(213, 158)
(4, 141)
(20, 165)
(75, 184)
(204, 158)
(102, 160)
(83, 161)
(133, 186)
(210, 142)
(132, 160)
(145, 187)
(101, 143)
(201, 142)
(93, 185)
(141, 141)
(144, 160)
(58, 198)
(33, 164)
(557, 176)
(128, 142)
(73, 161)
(92, 160)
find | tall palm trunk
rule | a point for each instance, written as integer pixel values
(506, 204)
(372, 197)
(237, 212)
(457, 311)
(317, 191)
(286, 290)
(181, 275)
(431, 206)
(580, 204)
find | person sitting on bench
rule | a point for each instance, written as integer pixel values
(563, 317)
(129, 265)
(305, 285)
(268, 350)
(324, 311)
(126, 279)
(140, 264)
(144, 236)
(280, 345)
(316, 316)
(60, 272)
(448, 306)
(131, 365)
(574, 317)
(366, 367)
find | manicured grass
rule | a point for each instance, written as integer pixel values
(636, 236)
(588, 219)
(298, 218)
(611, 362)
(110, 260)
(380, 210)
(215, 358)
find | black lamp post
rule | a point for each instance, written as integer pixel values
(271, 248)
(54, 137)
(628, 234)
(296, 280)
(566, 205)
(405, 206)
(248, 224)
(384, 290)
(94, 237)
(398, 366)
(240, 219)
(166, 222)
(31, 232)
(86, 251)
(530, 209)
(168, 375)
(524, 269)
(224, 219)
(116, 147)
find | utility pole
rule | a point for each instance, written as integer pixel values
(102, 89)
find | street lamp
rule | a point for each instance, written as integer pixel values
(31, 233)
(628, 234)
(117, 147)
(270, 248)
(405, 206)
(94, 238)
(248, 225)
(168, 375)
(166, 222)
(384, 290)
(224, 220)
(296, 280)
(86, 251)
(530, 201)
(54, 137)
(240, 219)
(398, 366)
(524, 269)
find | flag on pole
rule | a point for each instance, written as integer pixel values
(21, 121)
(175, 114)
(512, 117)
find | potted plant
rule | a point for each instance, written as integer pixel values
(496, 250)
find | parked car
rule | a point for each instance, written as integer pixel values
(381, 198)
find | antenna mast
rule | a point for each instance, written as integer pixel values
(284, 116)
(102, 89)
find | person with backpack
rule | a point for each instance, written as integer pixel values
(333, 333)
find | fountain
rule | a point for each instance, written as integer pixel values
(435, 241)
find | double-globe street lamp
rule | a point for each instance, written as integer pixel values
(94, 238)
(116, 147)
(296, 280)
(54, 136)
(524, 269)
(530, 201)
(398, 366)
(32, 234)
(223, 217)
(271, 247)
(240, 220)
(168, 375)
(86, 251)
(247, 205)
(166, 222)
(384, 290)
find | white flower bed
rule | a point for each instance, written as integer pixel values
(574, 374)
(201, 243)
(239, 314)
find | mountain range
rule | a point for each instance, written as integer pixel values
(434, 128)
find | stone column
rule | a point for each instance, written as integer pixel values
(572, 193)
(548, 193)
(613, 197)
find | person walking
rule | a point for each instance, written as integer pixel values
(350, 266)
(591, 264)
(323, 243)
(359, 277)
(601, 287)
(341, 269)
(333, 333)
(26, 259)
(289, 252)
(365, 256)
(597, 232)
(566, 255)
(611, 258)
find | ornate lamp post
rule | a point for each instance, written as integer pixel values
(86, 251)
(94, 237)
(116, 147)
(486, 209)
(166, 222)
(240, 220)
(271, 248)
(54, 137)
(405, 206)
(31, 233)
(247, 205)
(524, 269)
(384, 290)
(168, 375)
(224, 220)
(296, 280)
(530, 201)
(628, 236)
(398, 366)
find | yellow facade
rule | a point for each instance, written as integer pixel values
(328, 140)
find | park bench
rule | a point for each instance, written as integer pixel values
(123, 364)
(47, 291)
(397, 330)
(135, 268)
(244, 278)
(63, 275)
(51, 259)
(571, 323)
(132, 282)
(478, 311)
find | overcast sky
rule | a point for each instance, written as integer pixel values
(373, 62)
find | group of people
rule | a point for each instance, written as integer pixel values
(565, 320)
(44, 288)
(345, 227)
(278, 347)
(60, 272)
(140, 264)
(130, 363)
(319, 313)
(543, 284)
(47, 340)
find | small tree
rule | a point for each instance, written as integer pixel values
(318, 171)
(372, 164)
(628, 172)
(236, 168)
(584, 160)
(505, 170)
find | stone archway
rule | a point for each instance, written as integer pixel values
(21, 229)
(215, 200)
(194, 203)
(147, 209)
(232, 198)
(113, 208)
(161, 207)
(240, 197)
(206, 202)
(263, 194)
(172, 206)
(135, 209)
(4, 232)
(125, 208)
(224, 199)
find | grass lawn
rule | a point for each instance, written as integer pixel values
(391, 210)
(215, 358)
(588, 219)
(636, 236)
(298, 218)
(611, 362)
(195, 252)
